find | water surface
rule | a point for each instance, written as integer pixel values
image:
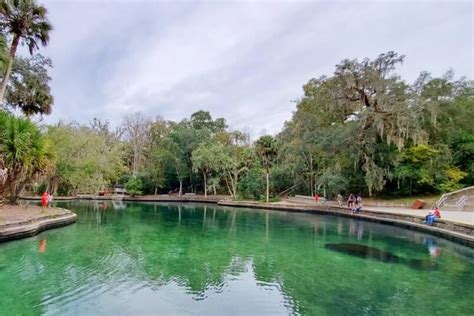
(158, 258)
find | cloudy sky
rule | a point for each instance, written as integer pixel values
(245, 61)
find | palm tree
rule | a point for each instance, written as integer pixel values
(266, 149)
(24, 154)
(25, 21)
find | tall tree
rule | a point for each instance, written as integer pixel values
(29, 88)
(24, 155)
(206, 158)
(137, 133)
(23, 20)
(235, 160)
(88, 158)
(367, 103)
(266, 150)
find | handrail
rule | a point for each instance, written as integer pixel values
(462, 201)
(287, 190)
(459, 191)
(442, 200)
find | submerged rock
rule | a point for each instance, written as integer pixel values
(367, 252)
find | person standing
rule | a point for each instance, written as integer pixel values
(350, 201)
(44, 200)
(339, 199)
(50, 199)
(316, 198)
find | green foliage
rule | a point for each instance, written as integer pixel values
(24, 153)
(87, 159)
(252, 185)
(207, 158)
(362, 129)
(235, 162)
(4, 58)
(453, 176)
(365, 123)
(29, 87)
(266, 150)
(134, 186)
(281, 178)
(25, 22)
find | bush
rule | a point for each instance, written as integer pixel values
(281, 179)
(134, 186)
(252, 185)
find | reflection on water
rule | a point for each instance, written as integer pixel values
(42, 245)
(159, 258)
(175, 297)
(433, 248)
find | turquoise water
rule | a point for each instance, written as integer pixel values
(142, 259)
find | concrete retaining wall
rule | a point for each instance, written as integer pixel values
(32, 227)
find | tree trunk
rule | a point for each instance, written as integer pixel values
(267, 181)
(234, 184)
(13, 48)
(311, 188)
(227, 185)
(205, 185)
(180, 187)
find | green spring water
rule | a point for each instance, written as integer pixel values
(168, 259)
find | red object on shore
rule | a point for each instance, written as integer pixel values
(44, 199)
(418, 204)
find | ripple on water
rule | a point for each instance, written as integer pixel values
(149, 259)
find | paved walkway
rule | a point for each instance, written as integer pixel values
(13, 214)
(19, 222)
(453, 216)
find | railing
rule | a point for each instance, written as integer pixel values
(441, 201)
(462, 201)
(452, 196)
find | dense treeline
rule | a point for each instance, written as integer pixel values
(366, 130)
(363, 129)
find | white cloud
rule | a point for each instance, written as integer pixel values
(244, 61)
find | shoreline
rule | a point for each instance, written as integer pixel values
(462, 233)
(28, 225)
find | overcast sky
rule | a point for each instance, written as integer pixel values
(244, 61)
